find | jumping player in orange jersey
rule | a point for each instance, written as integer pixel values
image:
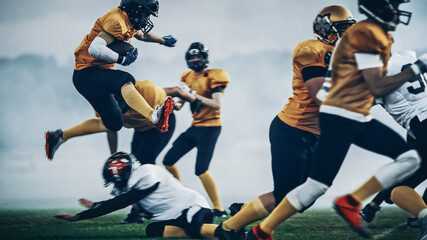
(209, 85)
(147, 142)
(94, 77)
(294, 131)
(359, 65)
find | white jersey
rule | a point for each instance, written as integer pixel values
(410, 99)
(170, 198)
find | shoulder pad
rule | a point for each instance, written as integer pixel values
(366, 36)
(186, 74)
(310, 53)
(218, 77)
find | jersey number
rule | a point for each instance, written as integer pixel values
(417, 82)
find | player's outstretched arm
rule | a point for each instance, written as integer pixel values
(104, 207)
(168, 41)
(181, 93)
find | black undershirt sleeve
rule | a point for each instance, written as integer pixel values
(313, 72)
(119, 202)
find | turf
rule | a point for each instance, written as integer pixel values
(314, 224)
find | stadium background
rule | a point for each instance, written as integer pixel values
(252, 40)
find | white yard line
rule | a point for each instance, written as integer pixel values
(385, 234)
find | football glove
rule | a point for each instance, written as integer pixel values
(129, 58)
(420, 66)
(196, 105)
(169, 41)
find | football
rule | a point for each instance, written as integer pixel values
(120, 47)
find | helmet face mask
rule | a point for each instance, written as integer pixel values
(331, 22)
(385, 12)
(199, 51)
(139, 12)
(117, 169)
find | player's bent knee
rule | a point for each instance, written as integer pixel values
(404, 166)
(114, 127)
(306, 194)
(155, 229)
(200, 172)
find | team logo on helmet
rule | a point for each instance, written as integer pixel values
(331, 22)
(117, 169)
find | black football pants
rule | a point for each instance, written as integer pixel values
(98, 85)
(338, 133)
(291, 156)
(147, 145)
(204, 138)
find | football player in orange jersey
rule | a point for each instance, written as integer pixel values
(359, 65)
(209, 85)
(147, 142)
(94, 77)
(294, 131)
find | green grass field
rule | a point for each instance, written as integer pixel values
(314, 224)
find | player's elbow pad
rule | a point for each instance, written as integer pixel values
(94, 50)
(98, 49)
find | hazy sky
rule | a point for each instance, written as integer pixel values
(230, 28)
(234, 27)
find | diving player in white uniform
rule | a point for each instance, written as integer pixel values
(180, 211)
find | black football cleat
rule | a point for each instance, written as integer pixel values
(235, 208)
(413, 223)
(221, 234)
(53, 139)
(368, 212)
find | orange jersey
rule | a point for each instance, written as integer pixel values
(301, 111)
(203, 84)
(154, 95)
(114, 22)
(348, 89)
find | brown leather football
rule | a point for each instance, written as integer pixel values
(120, 47)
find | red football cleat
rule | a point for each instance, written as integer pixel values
(349, 208)
(256, 233)
(160, 115)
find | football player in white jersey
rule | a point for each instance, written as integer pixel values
(408, 106)
(178, 211)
